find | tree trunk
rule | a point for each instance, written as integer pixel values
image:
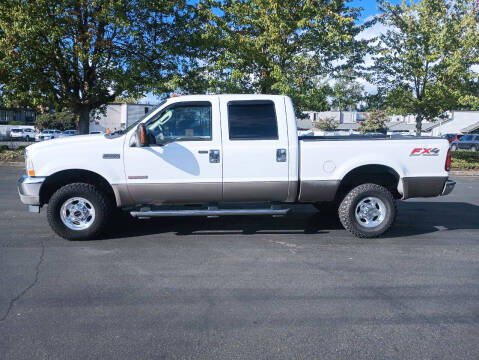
(418, 124)
(83, 120)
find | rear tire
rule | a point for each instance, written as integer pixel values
(368, 211)
(473, 148)
(78, 211)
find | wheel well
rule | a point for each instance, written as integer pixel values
(62, 178)
(375, 174)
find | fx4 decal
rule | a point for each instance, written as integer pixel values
(424, 151)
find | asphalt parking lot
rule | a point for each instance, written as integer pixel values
(298, 287)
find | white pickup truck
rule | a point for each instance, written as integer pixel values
(208, 150)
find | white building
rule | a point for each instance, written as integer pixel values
(454, 122)
(460, 122)
(118, 116)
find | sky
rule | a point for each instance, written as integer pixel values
(369, 7)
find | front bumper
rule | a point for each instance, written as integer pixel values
(448, 187)
(29, 189)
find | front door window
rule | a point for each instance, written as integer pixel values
(184, 122)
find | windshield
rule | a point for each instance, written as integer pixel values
(46, 131)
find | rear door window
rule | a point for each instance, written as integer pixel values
(252, 120)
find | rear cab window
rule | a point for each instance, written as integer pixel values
(252, 120)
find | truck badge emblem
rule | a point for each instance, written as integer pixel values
(424, 152)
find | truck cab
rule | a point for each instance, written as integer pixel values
(214, 149)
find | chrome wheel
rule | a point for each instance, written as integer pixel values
(370, 212)
(77, 213)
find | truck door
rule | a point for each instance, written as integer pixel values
(255, 149)
(186, 170)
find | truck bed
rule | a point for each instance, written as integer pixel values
(326, 160)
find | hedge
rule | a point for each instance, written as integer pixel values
(463, 159)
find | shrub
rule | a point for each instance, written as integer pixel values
(12, 155)
(375, 122)
(465, 159)
(327, 124)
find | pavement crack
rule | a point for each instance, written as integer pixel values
(290, 246)
(30, 286)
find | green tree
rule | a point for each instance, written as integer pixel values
(81, 54)
(375, 101)
(424, 61)
(275, 47)
(60, 120)
(326, 124)
(375, 122)
(346, 93)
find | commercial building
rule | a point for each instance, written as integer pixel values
(24, 116)
(118, 116)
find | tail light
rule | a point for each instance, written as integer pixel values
(448, 160)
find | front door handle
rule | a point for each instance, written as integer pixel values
(214, 156)
(281, 155)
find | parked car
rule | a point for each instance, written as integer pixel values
(48, 134)
(467, 142)
(25, 134)
(69, 133)
(214, 149)
(452, 137)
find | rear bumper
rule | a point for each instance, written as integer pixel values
(425, 186)
(29, 189)
(448, 187)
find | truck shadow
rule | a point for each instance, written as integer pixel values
(414, 218)
(422, 217)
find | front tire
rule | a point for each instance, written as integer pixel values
(473, 148)
(78, 211)
(454, 147)
(368, 211)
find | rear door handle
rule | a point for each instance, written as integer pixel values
(214, 156)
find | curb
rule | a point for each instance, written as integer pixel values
(12, 163)
(464, 172)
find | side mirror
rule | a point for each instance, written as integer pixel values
(141, 135)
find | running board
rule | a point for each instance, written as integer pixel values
(208, 212)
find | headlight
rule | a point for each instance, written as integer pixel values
(29, 164)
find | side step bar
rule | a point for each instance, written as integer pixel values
(208, 212)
